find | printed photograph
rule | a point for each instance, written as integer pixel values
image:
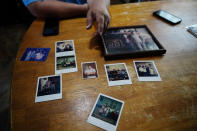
(128, 40)
(62, 46)
(48, 86)
(146, 69)
(35, 54)
(107, 109)
(89, 70)
(65, 62)
(117, 72)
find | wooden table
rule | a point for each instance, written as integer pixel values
(167, 105)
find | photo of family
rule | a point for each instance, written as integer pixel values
(146, 71)
(106, 112)
(35, 54)
(127, 40)
(89, 70)
(49, 88)
(107, 109)
(117, 72)
(65, 62)
(62, 46)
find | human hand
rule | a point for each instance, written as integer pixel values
(98, 11)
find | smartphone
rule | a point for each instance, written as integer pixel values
(51, 27)
(167, 17)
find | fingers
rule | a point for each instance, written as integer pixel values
(107, 21)
(100, 20)
(89, 20)
(103, 23)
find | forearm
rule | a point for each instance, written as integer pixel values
(56, 9)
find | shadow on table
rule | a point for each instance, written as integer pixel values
(96, 43)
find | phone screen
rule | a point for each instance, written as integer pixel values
(168, 16)
(51, 27)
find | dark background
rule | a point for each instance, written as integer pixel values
(13, 11)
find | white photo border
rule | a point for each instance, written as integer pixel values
(65, 70)
(66, 53)
(82, 63)
(102, 124)
(48, 97)
(157, 78)
(118, 82)
(62, 54)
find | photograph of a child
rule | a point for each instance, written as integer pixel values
(63, 46)
(117, 72)
(107, 109)
(35, 54)
(146, 69)
(128, 40)
(89, 70)
(65, 62)
(48, 86)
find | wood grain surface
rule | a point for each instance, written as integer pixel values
(167, 105)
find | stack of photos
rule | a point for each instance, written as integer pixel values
(35, 54)
(89, 70)
(117, 74)
(106, 112)
(65, 58)
(49, 88)
(146, 71)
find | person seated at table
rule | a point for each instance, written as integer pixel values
(96, 10)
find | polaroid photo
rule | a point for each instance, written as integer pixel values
(65, 64)
(89, 70)
(35, 54)
(65, 47)
(106, 112)
(146, 71)
(117, 74)
(49, 88)
(65, 58)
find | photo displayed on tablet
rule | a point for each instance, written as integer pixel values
(146, 71)
(117, 74)
(63, 46)
(106, 112)
(89, 70)
(35, 54)
(49, 88)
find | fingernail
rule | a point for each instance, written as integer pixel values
(88, 26)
